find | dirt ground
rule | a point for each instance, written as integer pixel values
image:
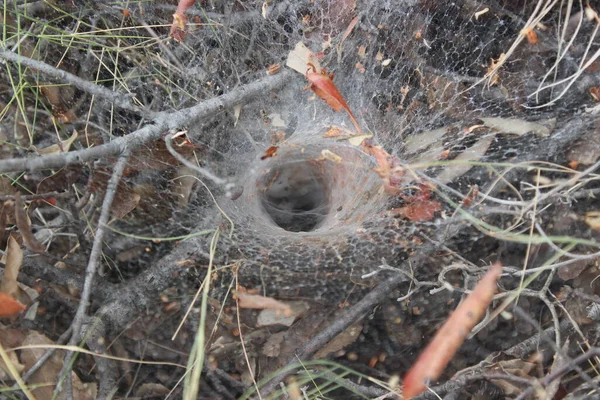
(190, 208)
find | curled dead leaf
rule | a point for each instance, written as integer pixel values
(14, 260)
(62, 146)
(24, 225)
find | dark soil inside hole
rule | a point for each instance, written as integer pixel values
(296, 196)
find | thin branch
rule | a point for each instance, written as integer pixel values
(96, 253)
(56, 161)
(118, 99)
(42, 360)
(163, 122)
(202, 171)
(94, 261)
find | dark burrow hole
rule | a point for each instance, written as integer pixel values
(295, 196)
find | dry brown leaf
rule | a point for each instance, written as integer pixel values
(587, 149)
(520, 126)
(340, 133)
(271, 317)
(473, 153)
(256, 301)
(595, 93)
(299, 58)
(272, 346)
(61, 147)
(155, 156)
(333, 132)
(24, 225)
(420, 141)
(14, 260)
(152, 390)
(388, 167)
(126, 200)
(573, 270)
(514, 367)
(362, 51)
(419, 211)
(10, 338)
(50, 370)
(57, 100)
(348, 31)
(356, 140)
(345, 338)
(183, 185)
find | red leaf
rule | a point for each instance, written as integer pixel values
(451, 335)
(9, 306)
(323, 86)
(179, 24)
(271, 151)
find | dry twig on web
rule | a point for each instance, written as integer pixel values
(162, 122)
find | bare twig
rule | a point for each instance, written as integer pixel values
(42, 360)
(39, 196)
(132, 141)
(202, 171)
(94, 260)
(163, 122)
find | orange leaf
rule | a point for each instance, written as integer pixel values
(9, 306)
(451, 335)
(323, 86)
